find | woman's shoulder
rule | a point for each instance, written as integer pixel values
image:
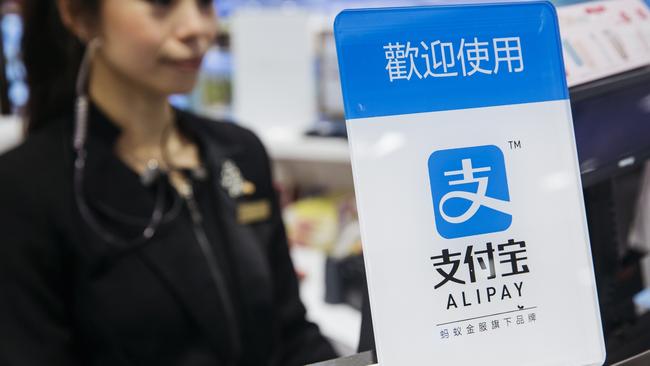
(227, 131)
(229, 135)
(34, 164)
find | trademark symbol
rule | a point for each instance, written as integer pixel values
(514, 144)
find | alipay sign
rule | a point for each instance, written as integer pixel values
(467, 185)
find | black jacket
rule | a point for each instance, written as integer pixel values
(67, 297)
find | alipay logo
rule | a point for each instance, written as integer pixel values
(470, 193)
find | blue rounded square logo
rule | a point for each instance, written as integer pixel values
(469, 188)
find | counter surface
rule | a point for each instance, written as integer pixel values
(361, 359)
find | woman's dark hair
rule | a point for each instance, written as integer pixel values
(52, 55)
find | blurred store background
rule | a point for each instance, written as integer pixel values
(273, 69)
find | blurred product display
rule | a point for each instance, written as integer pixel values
(14, 92)
(330, 224)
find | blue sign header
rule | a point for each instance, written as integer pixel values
(423, 59)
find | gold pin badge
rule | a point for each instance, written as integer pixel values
(255, 211)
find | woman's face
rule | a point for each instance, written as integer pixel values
(157, 44)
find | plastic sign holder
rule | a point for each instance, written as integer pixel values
(467, 185)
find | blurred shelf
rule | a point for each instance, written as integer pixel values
(308, 161)
(287, 146)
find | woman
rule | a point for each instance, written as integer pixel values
(132, 233)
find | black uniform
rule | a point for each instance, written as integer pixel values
(67, 297)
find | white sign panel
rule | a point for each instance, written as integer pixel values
(468, 188)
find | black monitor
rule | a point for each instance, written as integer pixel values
(611, 118)
(612, 128)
